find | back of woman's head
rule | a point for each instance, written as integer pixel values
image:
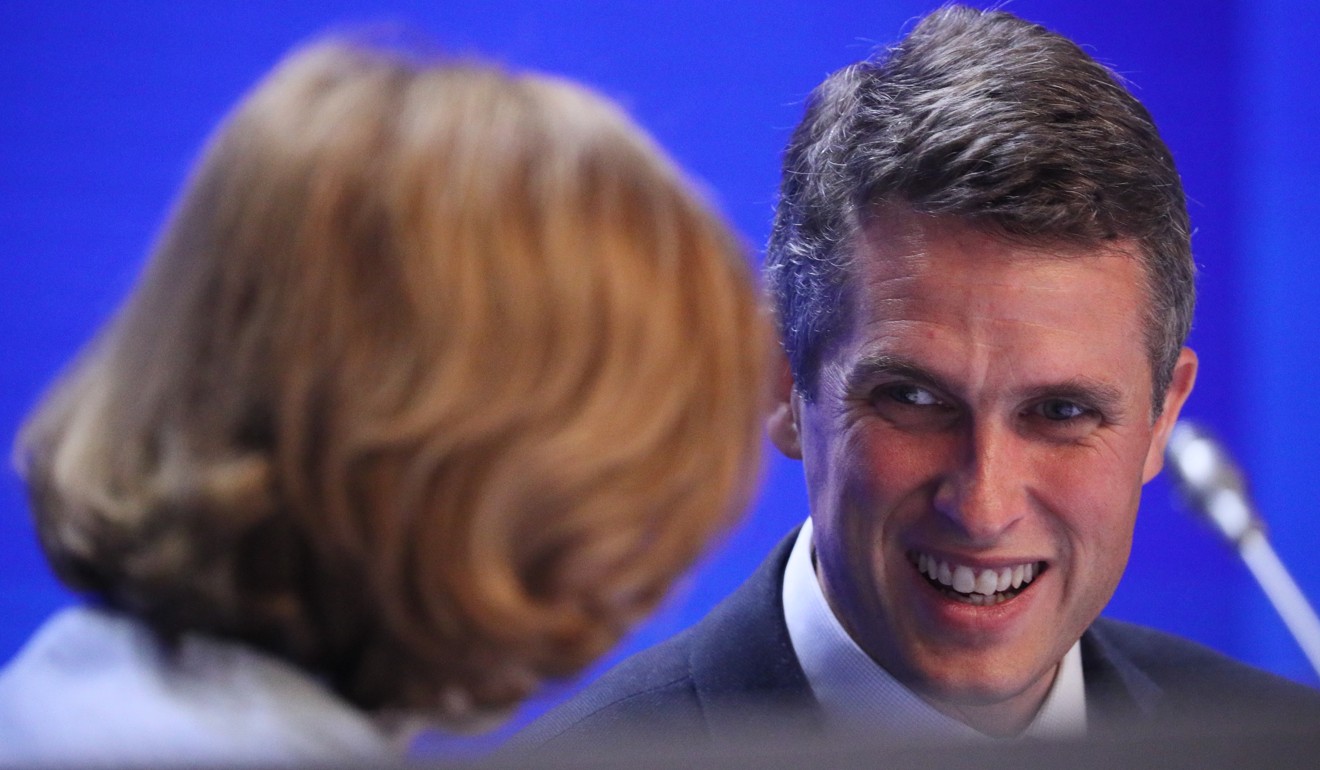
(438, 376)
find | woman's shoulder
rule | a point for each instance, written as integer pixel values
(93, 685)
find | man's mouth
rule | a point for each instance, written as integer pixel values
(976, 585)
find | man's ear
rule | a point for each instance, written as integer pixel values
(782, 424)
(1180, 387)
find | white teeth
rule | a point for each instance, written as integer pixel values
(984, 584)
(964, 582)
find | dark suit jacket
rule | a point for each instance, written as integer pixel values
(735, 671)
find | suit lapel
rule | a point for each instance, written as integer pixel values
(1117, 691)
(742, 659)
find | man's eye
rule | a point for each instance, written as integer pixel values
(912, 407)
(1062, 419)
(1059, 410)
(911, 395)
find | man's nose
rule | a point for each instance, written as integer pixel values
(983, 492)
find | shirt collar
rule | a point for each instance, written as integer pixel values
(853, 689)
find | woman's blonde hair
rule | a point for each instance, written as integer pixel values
(436, 380)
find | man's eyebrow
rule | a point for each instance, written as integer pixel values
(868, 369)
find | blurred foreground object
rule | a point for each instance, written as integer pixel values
(437, 378)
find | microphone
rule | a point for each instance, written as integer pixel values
(1214, 487)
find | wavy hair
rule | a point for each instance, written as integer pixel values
(437, 378)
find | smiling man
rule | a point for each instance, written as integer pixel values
(982, 271)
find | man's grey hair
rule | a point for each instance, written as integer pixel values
(996, 121)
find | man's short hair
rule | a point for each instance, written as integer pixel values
(994, 120)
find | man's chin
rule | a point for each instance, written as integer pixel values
(972, 683)
(999, 705)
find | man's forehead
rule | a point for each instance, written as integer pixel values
(897, 232)
(921, 280)
(897, 246)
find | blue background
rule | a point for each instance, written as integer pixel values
(104, 104)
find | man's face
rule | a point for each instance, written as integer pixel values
(986, 419)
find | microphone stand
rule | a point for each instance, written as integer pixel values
(1215, 488)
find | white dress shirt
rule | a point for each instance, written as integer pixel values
(854, 691)
(96, 688)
